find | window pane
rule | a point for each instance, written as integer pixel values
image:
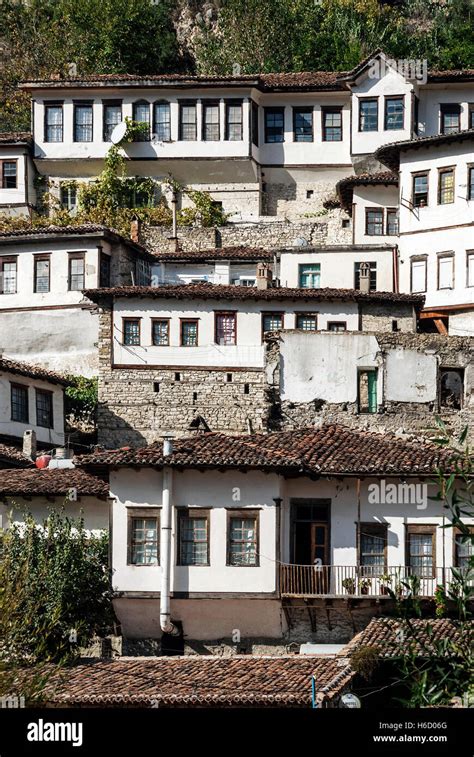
(83, 123)
(394, 113)
(9, 174)
(272, 322)
(194, 540)
(446, 187)
(211, 131)
(144, 547)
(42, 276)
(189, 332)
(112, 117)
(234, 122)
(368, 119)
(162, 123)
(160, 331)
(44, 409)
(8, 277)
(141, 114)
(310, 275)
(332, 126)
(188, 122)
(274, 125)
(420, 190)
(76, 274)
(372, 552)
(303, 124)
(392, 222)
(54, 123)
(225, 328)
(19, 402)
(421, 554)
(464, 551)
(243, 541)
(374, 222)
(69, 197)
(131, 332)
(450, 118)
(306, 322)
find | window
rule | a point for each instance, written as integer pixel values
(83, 122)
(112, 117)
(144, 544)
(104, 273)
(392, 222)
(374, 222)
(471, 116)
(470, 183)
(68, 196)
(303, 124)
(394, 113)
(368, 115)
(450, 118)
(309, 275)
(337, 326)
(373, 545)
(307, 321)
(372, 275)
(19, 403)
(420, 190)
(210, 122)
(42, 274)
(142, 272)
(194, 537)
(446, 186)
(416, 114)
(233, 121)
(332, 124)
(242, 539)
(274, 124)
(445, 271)
(141, 114)
(367, 391)
(421, 550)
(470, 268)
(44, 408)
(9, 173)
(226, 328)
(451, 388)
(8, 275)
(187, 121)
(189, 333)
(160, 332)
(162, 122)
(53, 123)
(272, 322)
(131, 331)
(254, 112)
(463, 550)
(418, 275)
(76, 272)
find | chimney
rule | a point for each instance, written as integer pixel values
(167, 446)
(135, 229)
(263, 276)
(364, 277)
(29, 444)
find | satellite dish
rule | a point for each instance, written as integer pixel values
(118, 133)
(350, 701)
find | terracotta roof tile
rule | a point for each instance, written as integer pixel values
(32, 371)
(223, 292)
(13, 456)
(330, 449)
(199, 680)
(58, 482)
(15, 137)
(393, 637)
(345, 187)
(216, 253)
(389, 154)
(77, 230)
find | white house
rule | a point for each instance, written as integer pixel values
(17, 174)
(220, 265)
(44, 317)
(31, 399)
(217, 535)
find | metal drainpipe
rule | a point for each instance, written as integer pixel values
(166, 524)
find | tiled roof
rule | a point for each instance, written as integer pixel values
(32, 371)
(200, 681)
(57, 482)
(15, 137)
(395, 638)
(345, 187)
(330, 449)
(208, 291)
(389, 154)
(78, 230)
(13, 456)
(216, 253)
(456, 74)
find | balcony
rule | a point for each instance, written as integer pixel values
(343, 581)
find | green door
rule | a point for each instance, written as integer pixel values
(372, 390)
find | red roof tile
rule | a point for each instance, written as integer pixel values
(32, 371)
(208, 291)
(217, 253)
(58, 482)
(330, 449)
(394, 638)
(389, 154)
(15, 137)
(199, 680)
(13, 456)
(78, 230)
(345, 187)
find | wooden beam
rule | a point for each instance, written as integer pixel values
(441, 326)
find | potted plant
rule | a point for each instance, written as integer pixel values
(364, 585)
(385, 582)
(349, 585)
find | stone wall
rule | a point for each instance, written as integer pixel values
(376, 318)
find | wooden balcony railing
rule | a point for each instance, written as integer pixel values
(349, 580)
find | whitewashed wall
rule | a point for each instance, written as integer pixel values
(373, 197)
(23, 193)
(95, 512)
(54, 435)
(337, 266)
